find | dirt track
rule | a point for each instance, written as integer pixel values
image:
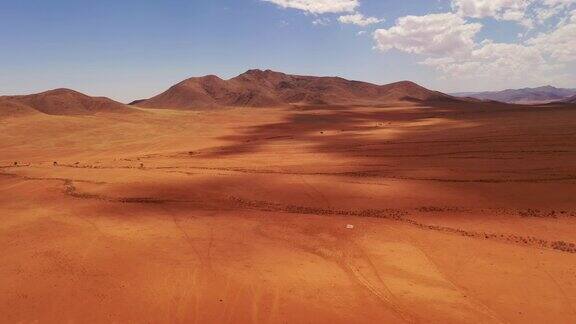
(459, 214)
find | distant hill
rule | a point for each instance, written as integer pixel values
(569, 100)
(257, 88)
(59, 102)
(538, 95)
(12, 108)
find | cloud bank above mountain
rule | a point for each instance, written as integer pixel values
(451, 41)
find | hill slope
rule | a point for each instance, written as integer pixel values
(257, 88)
(61, 102)
(10, 108)
(522, 96)
(570, 100)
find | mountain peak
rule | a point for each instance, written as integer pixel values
(546, 87)
(206, 78)
(259, 71)
(60, 92)
(405, 83)
(267, 88)
(261, 74)
(211, 77)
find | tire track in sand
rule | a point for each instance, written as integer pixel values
(349, 258)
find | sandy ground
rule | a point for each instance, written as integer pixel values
(392, 214)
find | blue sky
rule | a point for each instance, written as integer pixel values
(134, 49)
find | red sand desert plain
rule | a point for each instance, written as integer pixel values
(400, 206)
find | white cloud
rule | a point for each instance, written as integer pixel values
(359, 19)
(435, 34)
(552, 8)
(543, 53)
(319, 6)
(525, 12)
(545, 13)
(512, 10)
(559, 43)
(495, 61)
(501, 65)
(564, 3)
(448, 41)
(321, 21)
